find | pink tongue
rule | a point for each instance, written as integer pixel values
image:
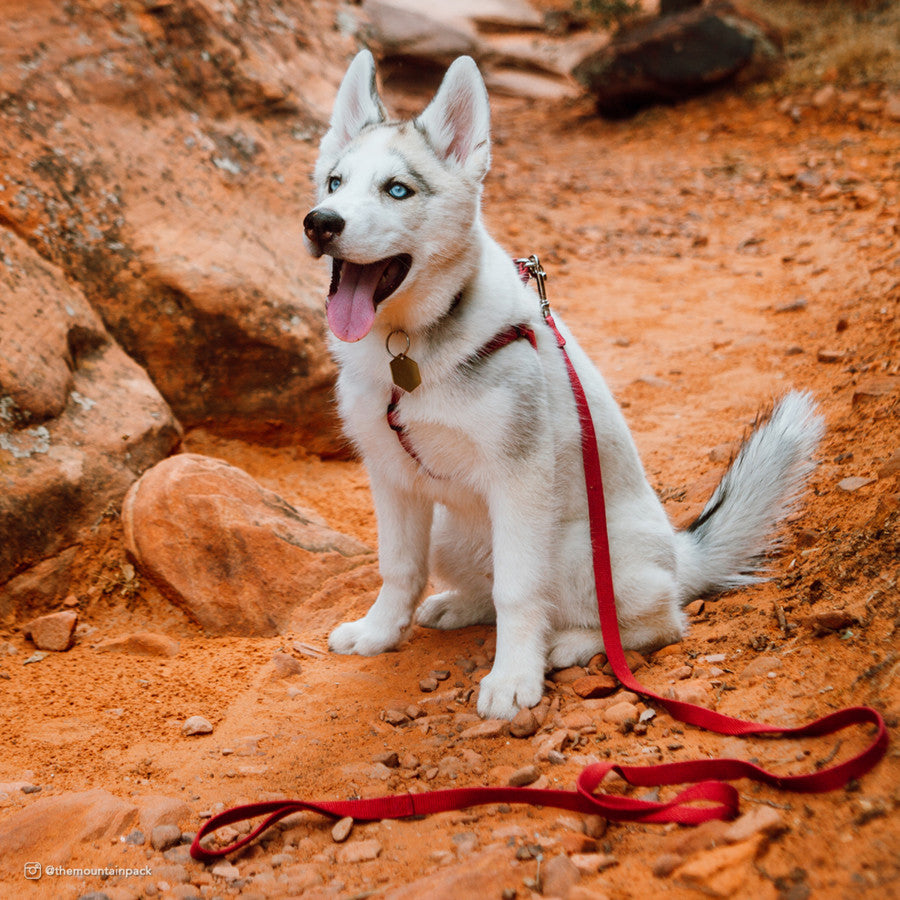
(351, 308)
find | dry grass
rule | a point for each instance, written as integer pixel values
(849, 42)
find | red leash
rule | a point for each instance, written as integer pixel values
(706, 778)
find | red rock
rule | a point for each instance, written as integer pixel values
(720, 872)
(49, 829)
(485, 874)
(341, 830)
(286, 666)
(276, 381)
(577, 720)
(891, 466)
(854, 483)
(359, 851)
(544, 744)
(674, 57)
(234, 555)
(693, 691)
(558, 876)
(157, 809)
(524, 724)
(874, 389)
(196, 725)
(759, 820)
(595, 826)
(760, 667)
(828, 620)
(621, 713)
(222, 310)
(591, 862)
(634, 659)
(524, 776)
(79, 420)
(143, 643)
(567, 676)
(591, 686)
(577, 842)
(55, 631)
(39, 587)
(489, 728)
(684, 843)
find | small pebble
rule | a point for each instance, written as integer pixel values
(390, 759)
(341, 830)
(196, 725)
(163, 837)
(359, 851)
(525, 723)
(394, 716)
(226, 871)
(524, 776)
(621, 713)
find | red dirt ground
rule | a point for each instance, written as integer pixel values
(709, 257)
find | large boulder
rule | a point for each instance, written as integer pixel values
(159, 154)
(236, 557)
(507, 38)
(79, 419)
(674, 57)
(50, 829)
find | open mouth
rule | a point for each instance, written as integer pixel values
(357, 289)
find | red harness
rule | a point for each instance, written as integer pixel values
(706, 778)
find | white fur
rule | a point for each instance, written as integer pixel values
(504, 525)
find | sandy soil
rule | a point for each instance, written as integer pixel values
(709, 257)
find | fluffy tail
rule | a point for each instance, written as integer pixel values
(726, 545)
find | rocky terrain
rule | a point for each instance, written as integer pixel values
(181, 523)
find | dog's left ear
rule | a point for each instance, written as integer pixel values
(357, 105)
(458, 120)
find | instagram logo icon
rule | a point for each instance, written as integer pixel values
(33, 871)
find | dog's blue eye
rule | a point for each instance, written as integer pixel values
(334, 183)
(399, 191)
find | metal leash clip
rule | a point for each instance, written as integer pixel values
(532, 265)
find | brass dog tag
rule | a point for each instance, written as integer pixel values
(405, 373)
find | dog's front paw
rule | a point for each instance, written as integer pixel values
(501, 696)
(365, 637)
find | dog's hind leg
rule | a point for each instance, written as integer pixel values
(461, 561)
(573, 647)
(648, 612)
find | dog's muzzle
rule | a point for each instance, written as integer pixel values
(321, 226)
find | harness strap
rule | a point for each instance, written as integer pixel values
(705, 778)
(498, 342)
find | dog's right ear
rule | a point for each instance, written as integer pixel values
(357, 105)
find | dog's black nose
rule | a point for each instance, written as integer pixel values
(321, 225)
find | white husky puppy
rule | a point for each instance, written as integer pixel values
(476, 472)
